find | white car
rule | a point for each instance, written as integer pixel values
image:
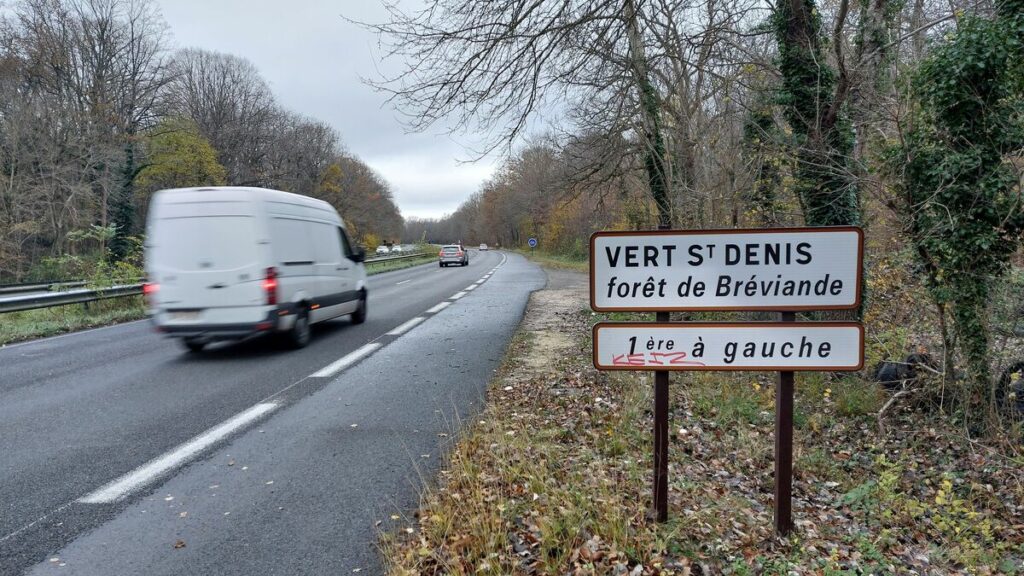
(396, 248)
(382, 249)
(228, 263)
(483, 247)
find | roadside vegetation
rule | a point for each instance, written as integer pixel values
(98, 111)
(904, 118)
(553, 477)
(555, 260)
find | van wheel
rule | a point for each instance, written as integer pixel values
(194, 344)
(359, 316)
(300, 333)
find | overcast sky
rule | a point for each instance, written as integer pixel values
(313, 60)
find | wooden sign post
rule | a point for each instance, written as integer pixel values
(782, 269)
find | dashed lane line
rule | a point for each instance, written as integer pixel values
(439, 307)
(346, 360)
(403, 328)
(159, 466)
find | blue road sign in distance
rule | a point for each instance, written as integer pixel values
(532, 242)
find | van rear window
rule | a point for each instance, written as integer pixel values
(204, 243)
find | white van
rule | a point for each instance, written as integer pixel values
(227, 263)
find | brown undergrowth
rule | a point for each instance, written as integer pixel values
(554, 477)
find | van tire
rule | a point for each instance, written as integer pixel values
(300, 333)
(194, 345)
(359, 316)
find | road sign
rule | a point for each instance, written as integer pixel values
(532, 242)
(769, 269)
(832, 346)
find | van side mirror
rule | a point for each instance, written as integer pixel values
(359, 254)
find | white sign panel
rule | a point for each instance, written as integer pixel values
(833, 346)
(770, 269)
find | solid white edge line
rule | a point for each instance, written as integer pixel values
(457, 295)
(403, 328)
(151, 470)
(439, 307)
(346, 360)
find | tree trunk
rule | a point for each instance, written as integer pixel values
(650, 116)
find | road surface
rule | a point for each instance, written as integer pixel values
(122, 454)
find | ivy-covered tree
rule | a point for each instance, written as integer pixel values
(961, 194)
(765, 164)
(812, 97)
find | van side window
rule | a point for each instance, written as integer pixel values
(346, 246)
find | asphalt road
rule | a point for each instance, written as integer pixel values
(295, 488)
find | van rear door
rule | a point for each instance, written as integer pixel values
(207, 261)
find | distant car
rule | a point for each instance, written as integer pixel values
(452, 254)
(396, 248)
(483, 247)
(382, 249)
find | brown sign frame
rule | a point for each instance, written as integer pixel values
(641, 325)
(614, 233)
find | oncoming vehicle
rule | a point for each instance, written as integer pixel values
(396, 248)
(452, 254)
(382, 249)
(483, 247)
(227, 263)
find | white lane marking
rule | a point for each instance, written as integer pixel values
(402, 329)
(472, 287)
(439, 307)
(457, 295)
(346, 360)
(149, 471)
(403, 281)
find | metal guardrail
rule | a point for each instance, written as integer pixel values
(83, 295)
(402, 257)
(41, 286)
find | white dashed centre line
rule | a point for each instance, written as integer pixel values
(403, 281)
(153, 469)
(469, 288)
(439, 307)
(457, 295)
(346, 360)
(402, 329)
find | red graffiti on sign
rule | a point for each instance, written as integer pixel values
(654, 359)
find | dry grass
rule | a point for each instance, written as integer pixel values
(554, 477)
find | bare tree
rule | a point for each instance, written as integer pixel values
(230, 103)
(494, 66)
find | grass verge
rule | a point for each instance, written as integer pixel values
(560, 261)
(32, 324)
(554, 477)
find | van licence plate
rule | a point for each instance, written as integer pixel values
(185, 315)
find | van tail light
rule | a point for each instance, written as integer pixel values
(270, 286)
(440, 254)
(149, 290)
(459, 253)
